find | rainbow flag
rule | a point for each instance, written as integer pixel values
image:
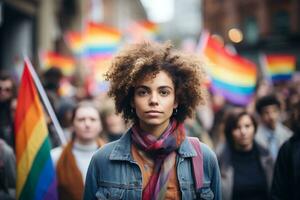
(232, 76)
(95, 46)
(143, 30)
(75, 41)
(36, 177)
(100, 40)
(65, 63)
(96, 40)
(279, 67)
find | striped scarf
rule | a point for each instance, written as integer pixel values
(162, 150)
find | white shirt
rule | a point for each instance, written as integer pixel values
(82, 154)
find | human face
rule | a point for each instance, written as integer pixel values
(6, 87)
(270, 116)
(154, 101)
(87, 125)
(243, 134)
(114, 124)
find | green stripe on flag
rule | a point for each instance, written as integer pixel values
(28, 191)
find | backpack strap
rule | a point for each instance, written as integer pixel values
(197, 163)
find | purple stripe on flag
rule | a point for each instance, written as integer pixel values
(46, 186)
(52, 192)
(231, 97)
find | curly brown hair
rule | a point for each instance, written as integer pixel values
(136, 61)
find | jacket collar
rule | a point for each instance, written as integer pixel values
(122, 149)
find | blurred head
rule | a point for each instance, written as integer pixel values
(240, 128)
(7, 87)
(52, 78)
(268, 108)
(86, 122)
(65, 112)
(113, 124)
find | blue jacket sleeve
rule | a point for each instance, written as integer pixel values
(91, 185)
(216, 178)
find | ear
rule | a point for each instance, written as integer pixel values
(175, 105)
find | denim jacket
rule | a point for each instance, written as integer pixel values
(113, 174)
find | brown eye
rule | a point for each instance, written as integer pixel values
(141, 92)
(164, 92)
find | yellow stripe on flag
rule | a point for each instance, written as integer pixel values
(37, 138)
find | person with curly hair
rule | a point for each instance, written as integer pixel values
(156, 88)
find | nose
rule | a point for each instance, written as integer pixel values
(87, 123)
(241, 130)
(153, 100)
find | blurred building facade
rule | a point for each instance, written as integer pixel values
(30, 26)
(267, 25)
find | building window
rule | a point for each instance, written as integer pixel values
(251, 30)
(281, 23)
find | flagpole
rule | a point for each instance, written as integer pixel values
(46, 101)
(202, 41)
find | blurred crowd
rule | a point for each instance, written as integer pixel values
(256, 145)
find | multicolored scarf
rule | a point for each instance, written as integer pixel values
(162, 150)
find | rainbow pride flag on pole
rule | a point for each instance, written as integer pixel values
(279, 67)
(36, 177)
(232, 76)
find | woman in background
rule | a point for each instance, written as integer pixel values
(72, 160)
(246, 168)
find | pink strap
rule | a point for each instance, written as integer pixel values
(197, 162)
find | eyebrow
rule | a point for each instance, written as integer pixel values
(147, 88)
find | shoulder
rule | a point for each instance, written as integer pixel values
(6, 150)
(207, 151)
(209, 155)
(287, 146)
(261, 149)
(260, 131)
(103, 153)
(7, 155)
(56, 153)
(284, 131)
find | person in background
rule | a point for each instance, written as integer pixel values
(195, 128)
(72, 160)
(7, 94)
(51, 82)
(113, 124)
(7, 172)
(156, 88)
(246, 167)
(271, 133)
(286, 181)
(64, 116)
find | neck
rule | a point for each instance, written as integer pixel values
(244, 148)
(155, 130)
(85, 142)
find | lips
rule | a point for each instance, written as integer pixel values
(153, 113)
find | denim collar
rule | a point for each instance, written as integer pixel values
(122, 149)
